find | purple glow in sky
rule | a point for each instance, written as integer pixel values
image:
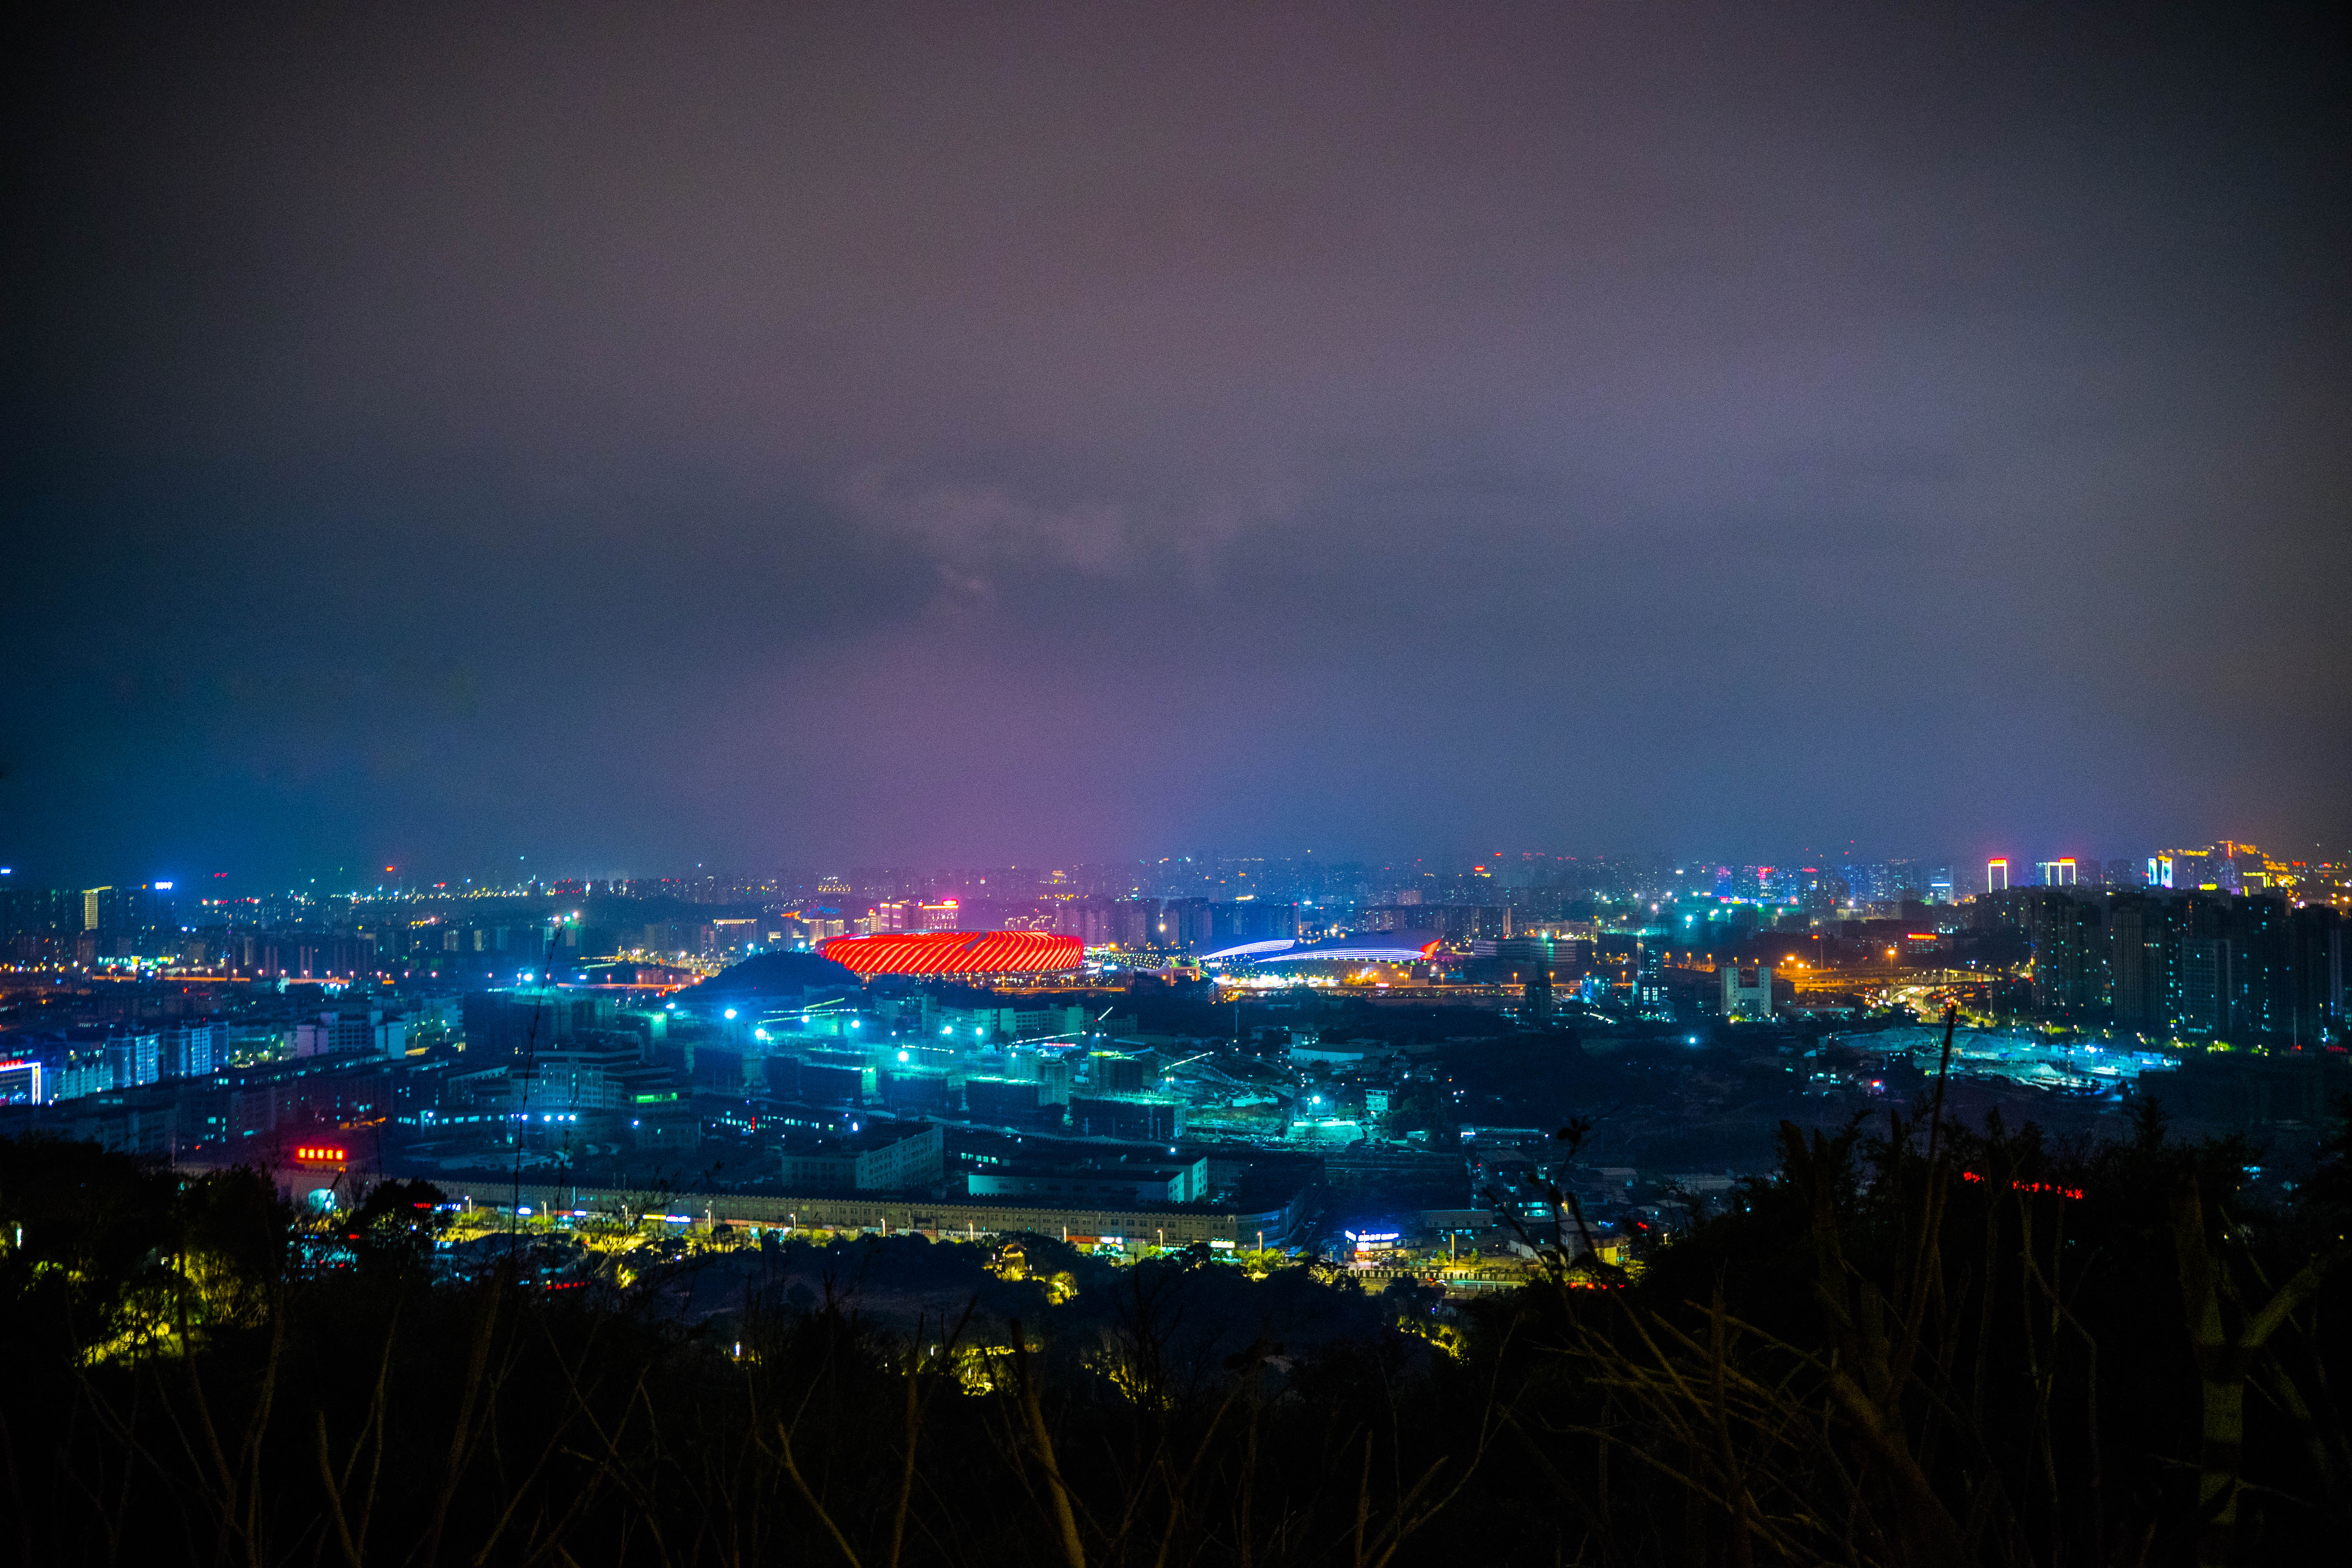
(631, 435)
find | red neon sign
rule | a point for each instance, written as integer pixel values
(320, 1151)
(2030, 1187)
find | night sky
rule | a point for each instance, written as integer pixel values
(892, 434)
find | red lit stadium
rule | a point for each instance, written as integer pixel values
(957, 953)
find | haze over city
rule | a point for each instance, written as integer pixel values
(942, 786)
(980, 436)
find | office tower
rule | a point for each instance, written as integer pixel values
(1997, 875)
(2054, 873)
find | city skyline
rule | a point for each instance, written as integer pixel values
(1503, 864)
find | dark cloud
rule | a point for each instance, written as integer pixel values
(640, 436)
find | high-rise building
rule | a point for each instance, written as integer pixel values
(1650, 991)
(2316, 962)
(2206, 982)
(132, 1060)
(193, 1050)
(1186, 924)
(1747, 991)
(2142, 967)
(1997, 875)
(2189, 870)
(1884, 881)
(37, 922)
(1094, 921)
(2058, 873)
(2070, 969)
(1251, 920)
(1135, 923)
(2262, 999)
(2067, 937)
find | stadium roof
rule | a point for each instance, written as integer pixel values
(1356, 947)
(958, 952)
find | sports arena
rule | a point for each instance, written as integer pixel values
(957, 953)
(1356, 947)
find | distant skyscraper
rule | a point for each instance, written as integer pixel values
(1997, 875)
(2055, 873)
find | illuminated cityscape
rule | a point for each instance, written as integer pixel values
(926, 785)
(1346, 1071)
(607, 1033)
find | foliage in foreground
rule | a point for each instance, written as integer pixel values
(1915, 1344)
